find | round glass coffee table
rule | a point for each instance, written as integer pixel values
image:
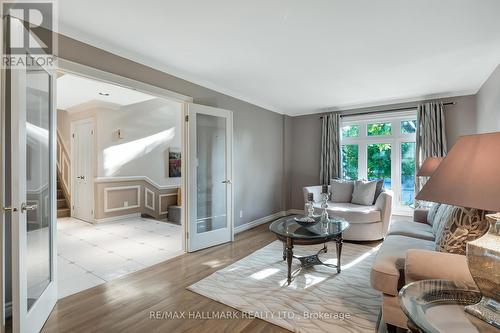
(437, 306)
(292, 233)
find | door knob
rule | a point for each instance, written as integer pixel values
(227, 181)
(9, 209)
(25, 207)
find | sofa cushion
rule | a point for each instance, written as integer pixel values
(341, 190)
(387, 274)
(364, 192)
(351, 212)
(462, 225)
(411, 229)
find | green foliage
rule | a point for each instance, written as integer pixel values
(350, 161)
(379, 129)
(350, 131)
(379, 161)
(408, 159)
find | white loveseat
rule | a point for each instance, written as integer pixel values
(368, 223)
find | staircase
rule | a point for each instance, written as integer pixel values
(62, 202)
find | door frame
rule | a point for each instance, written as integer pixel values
(71, 67)
(191, 163)
(93, 162)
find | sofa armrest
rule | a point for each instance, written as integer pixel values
(420, 215)
(315, 190)
(384, 203)
(428, 265)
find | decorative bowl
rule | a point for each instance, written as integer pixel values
(306, 221)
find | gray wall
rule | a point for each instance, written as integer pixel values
(258, 133)
(488, 104)
(306, 140)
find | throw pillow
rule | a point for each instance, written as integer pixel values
(442, 215)
(432, 213)
(341, 190)
(379, 189)
(463, 225)
(364, 192)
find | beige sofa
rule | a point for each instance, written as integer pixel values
(407, 255)
(367, 223)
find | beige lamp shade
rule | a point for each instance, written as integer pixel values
(469, 176)
(430, 165)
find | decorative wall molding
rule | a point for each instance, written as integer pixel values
(155, 203)
(134, 178)
(146, 203)
(107, 190)
(63, 164)
(164, 211)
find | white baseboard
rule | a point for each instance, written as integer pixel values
(258, 222)
(117, 218)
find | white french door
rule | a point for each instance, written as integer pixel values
(209, 181)
(82, 175)
(29, 185)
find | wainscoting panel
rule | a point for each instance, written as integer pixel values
(165, 200)
(149, 199)
(63, 165)
(143, 196)
(122, 198)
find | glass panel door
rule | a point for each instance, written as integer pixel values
(209, 177)
(30, 183)
(38, 208)
(211, 173)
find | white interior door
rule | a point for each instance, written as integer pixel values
(82, 156)
(30, 183)
(210, 189)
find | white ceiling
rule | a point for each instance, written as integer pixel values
(76, 93)
(296, 56)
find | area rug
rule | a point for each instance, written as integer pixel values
(317, 300)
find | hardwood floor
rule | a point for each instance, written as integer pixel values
(125, 304)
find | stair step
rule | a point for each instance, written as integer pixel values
(61, 203)
(60, 194)
(65, 212)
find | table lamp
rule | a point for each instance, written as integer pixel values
(469, 177)
(429, 166)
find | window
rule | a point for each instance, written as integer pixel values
(408, 126)
(379, 163)
(350, 161)
(407, 173)
(350, 131)
(379, 129)
(382, 147)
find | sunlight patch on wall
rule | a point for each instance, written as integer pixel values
(115, 157)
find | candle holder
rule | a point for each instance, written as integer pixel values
(324, 204)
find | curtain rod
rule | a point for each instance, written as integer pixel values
(388, 110)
